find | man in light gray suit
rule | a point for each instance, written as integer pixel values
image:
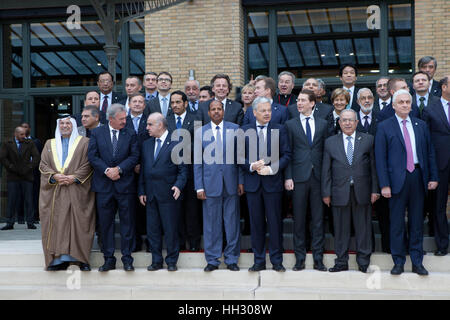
(218, 184)
(350, 186)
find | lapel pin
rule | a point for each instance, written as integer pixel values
(416, 124)
(359, 138)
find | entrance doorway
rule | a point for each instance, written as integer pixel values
(47, 110)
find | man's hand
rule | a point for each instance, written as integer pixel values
(70, 180)
(289, 184)
(176, 192)
(264, 171)
(240, 190)
(327, 201)
(386, 192)
(432, 185)
(374, 197)
(143, 200)
(201, 195)
(255, 166)
(137, 169)
(113, 173)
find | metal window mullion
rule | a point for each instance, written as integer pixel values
(273, 44)
(384, 39)
(125, 47)
(26, 60)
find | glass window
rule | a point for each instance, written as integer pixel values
(137, 47)
(258, 43)
(319, 41)
(64, 57)
(400, 46)
(12, 56)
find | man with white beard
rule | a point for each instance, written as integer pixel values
(367, 115)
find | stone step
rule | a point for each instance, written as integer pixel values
(34, 258)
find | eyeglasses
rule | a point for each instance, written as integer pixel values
(164, 80)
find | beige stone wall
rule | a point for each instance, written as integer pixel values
(432, 29)
(204, 35)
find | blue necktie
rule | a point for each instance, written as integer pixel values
(136, 123)
(308, 131)
(114, 142)
(179, 122)
(164, 106)
(349, 150)
(158, 147)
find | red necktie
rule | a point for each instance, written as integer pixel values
(105, 104)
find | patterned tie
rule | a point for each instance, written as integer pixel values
(349, 151)
(349, 103)
(308, 131)
(105, 104)
(164, 106)
(114, 142)
(219, 147)
(193, 106)
(179, 122)
(136, 123)
(448, 109)
(409, 151)
(422, 104)
(366, 123)
(158, 147)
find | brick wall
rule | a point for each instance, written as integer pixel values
(204, 35)
(431, 32)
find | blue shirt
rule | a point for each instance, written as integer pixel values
(65, 149)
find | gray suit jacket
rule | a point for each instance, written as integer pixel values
(337, 172)
(305, 159)
(82, 130)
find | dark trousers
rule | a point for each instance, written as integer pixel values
(361, 214)
(308, 193)
(163, 217)
(107, 206)
(440, 213)
(190, 228)
(410, 198)
(20, 193)
(382, 211)
(264, 206)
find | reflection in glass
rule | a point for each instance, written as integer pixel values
(400, 35)
(12, 56)
(137, 46)
(63, 57)
(258, 43)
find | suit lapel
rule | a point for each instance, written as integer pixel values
(164, 146)
(108, 141)
(441, 113)
(357, 146)
(396, 126)
(341, 147)
(300, 130)
(417, 137)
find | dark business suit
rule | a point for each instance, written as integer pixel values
(285, 99)
(408, 189)
(116, 98)
(355, 106)
(279, 115)
(382, 204)
(220, 183)
(113, 195)
(439, 127)
(233, 112)
(153, 105)
(435, 89)
(264, 193)
(389, 111)
(350, 187)
(305, 170)
(333, 124)
(142, 133)
(19, 165)
(191, 212)
(157, 177)
(321, 110)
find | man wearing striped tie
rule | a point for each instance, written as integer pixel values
(349, 185)
(406, 167)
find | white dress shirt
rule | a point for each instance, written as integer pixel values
(412, 137)
(182, 117)
(311, 124)
(163, 139)
(445, 106)
(160, 97)
(344, 137)
(380, 103)
(425, 102)
(362, 115)
(102, 97)
(111, 133)
(214, 130)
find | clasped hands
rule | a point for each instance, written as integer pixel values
(260, 168)
(113, 173)
(63, 179)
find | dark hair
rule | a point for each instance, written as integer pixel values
(180, 93)
(421, 72)
(136, 95)
(222, 76)
(425, 60)
(93, 109)
(443, 81)
(151, 73)
(269, 83)
(209, 105)
(105, 72)
(209, 89)
(166, 73)
(310, 94)
(341, 69)
(85, 95)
